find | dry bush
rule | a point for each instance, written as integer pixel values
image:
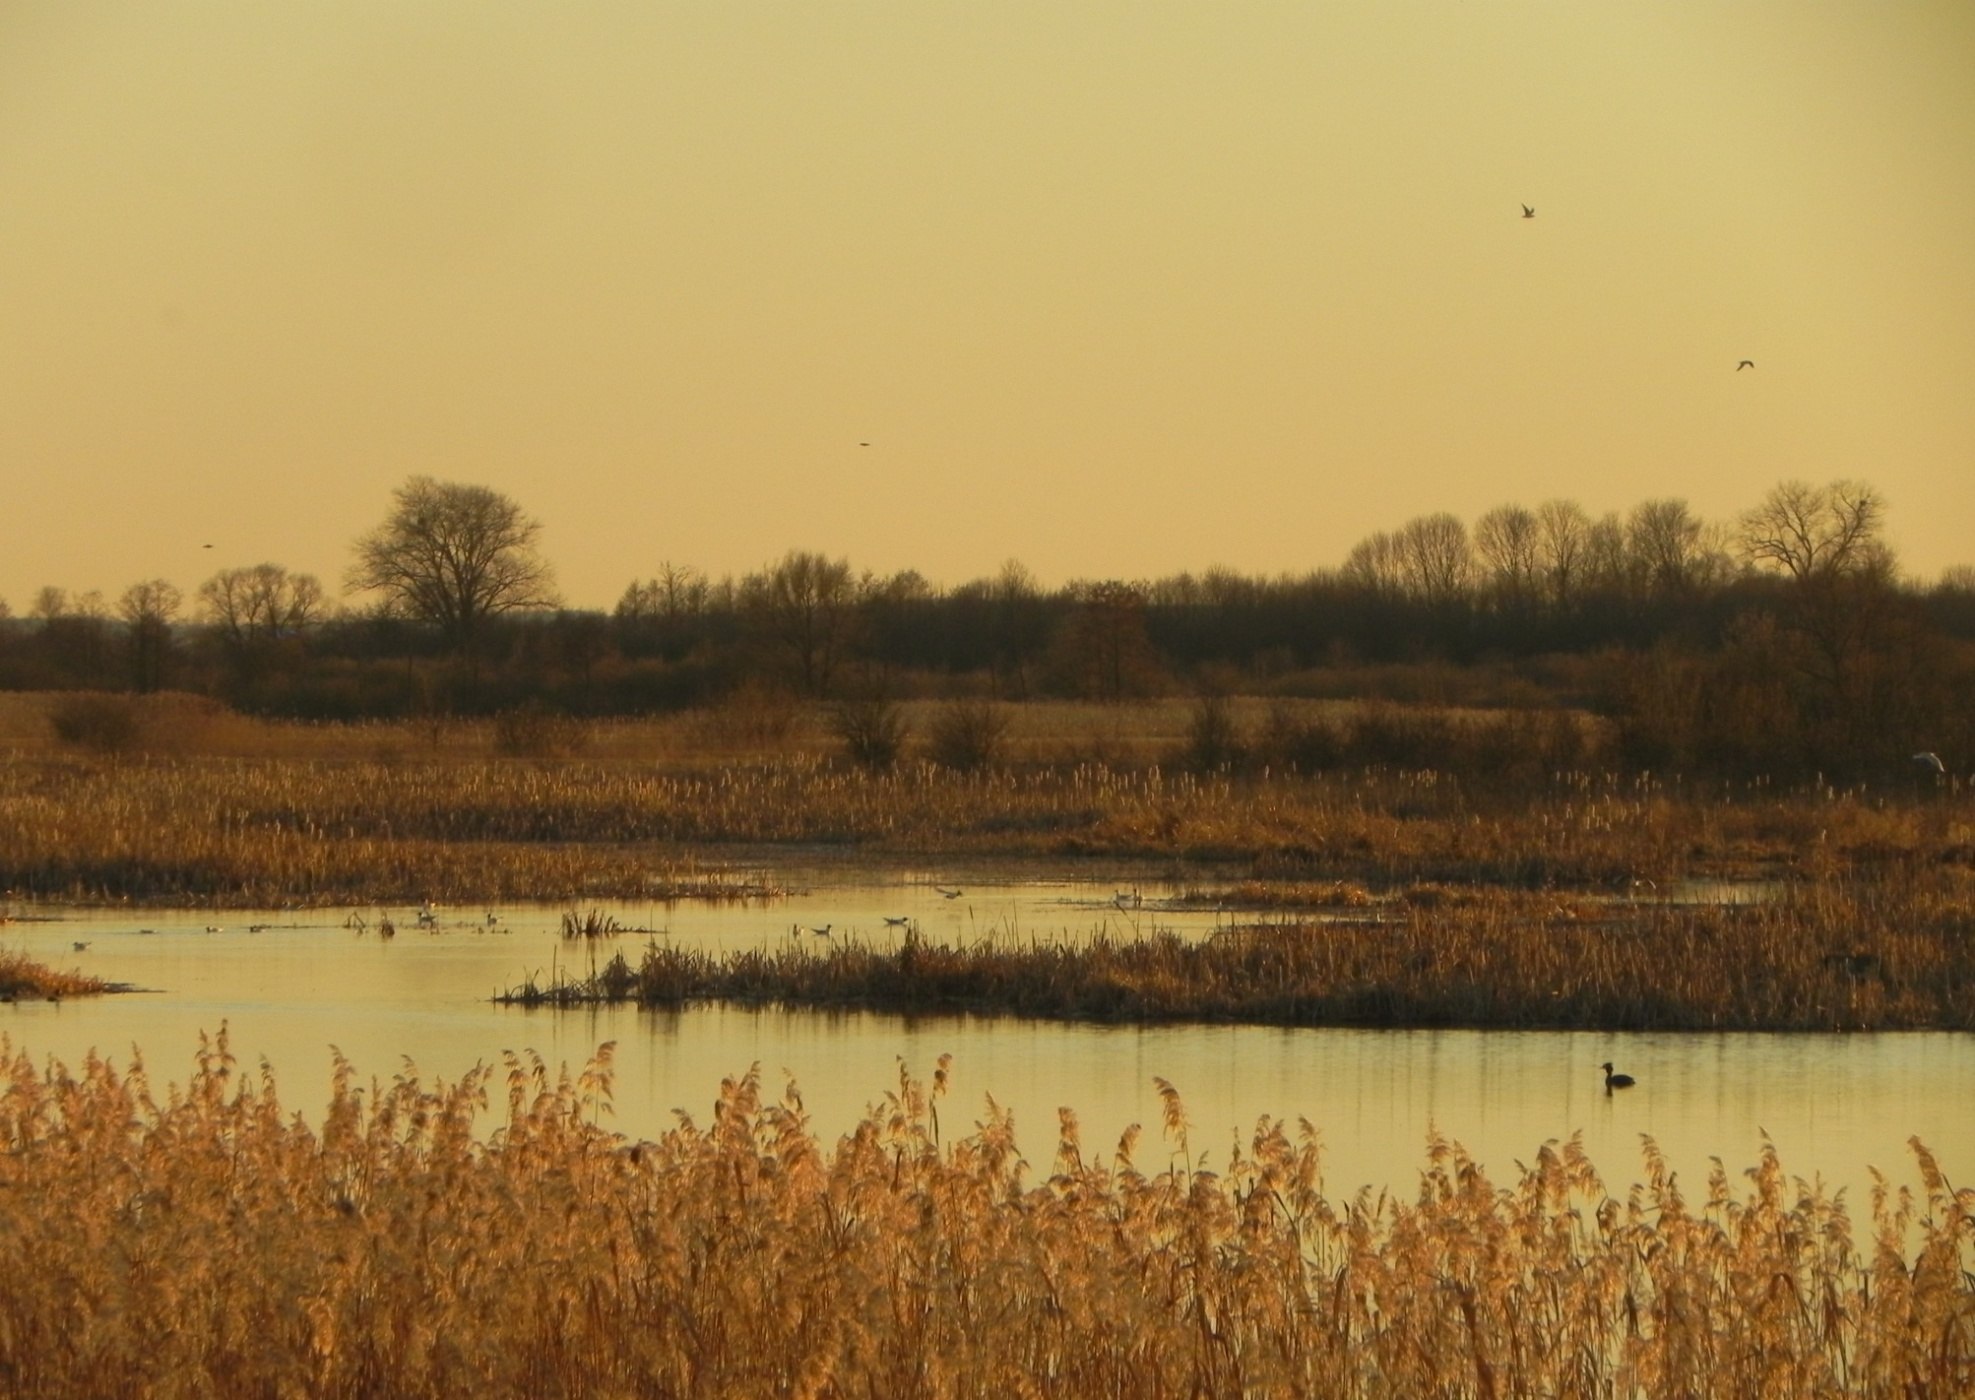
(753, 718)
(872, 731)
(207, 1242)
(103, 724)
(967, 735)
(535, 731)
(1215, 742)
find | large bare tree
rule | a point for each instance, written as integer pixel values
(453, 556)
(1809, 532)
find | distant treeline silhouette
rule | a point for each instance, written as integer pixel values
(1785, 642)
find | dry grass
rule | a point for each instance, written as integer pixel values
(262, 830)
(210, 1243)
(24, 979)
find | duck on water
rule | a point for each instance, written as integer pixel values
(1615, 1081)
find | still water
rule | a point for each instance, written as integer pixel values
(290, 985)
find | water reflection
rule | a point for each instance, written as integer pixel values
(1833, 1105)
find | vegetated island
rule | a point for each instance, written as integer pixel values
(1882, 955)
(24, 979)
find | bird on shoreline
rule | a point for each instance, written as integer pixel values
(1616, 1081)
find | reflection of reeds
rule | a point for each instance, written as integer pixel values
(207, 1242)
(1841, 956)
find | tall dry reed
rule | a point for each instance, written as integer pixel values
(208, 1242)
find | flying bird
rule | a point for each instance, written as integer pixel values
(1746, 364)
(946, 893)
(1929, 762)
(1527, 212)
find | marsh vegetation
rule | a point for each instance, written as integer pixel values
(1877, 955)
(207, 1242)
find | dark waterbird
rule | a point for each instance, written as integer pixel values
(1615, 1081)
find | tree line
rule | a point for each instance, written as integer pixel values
(1784, 639)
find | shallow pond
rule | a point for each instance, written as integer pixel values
(289, 985)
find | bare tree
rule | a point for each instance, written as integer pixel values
(1434, 552)
(1840, 607)
(1563, 536)
(1508, 541)
(806, 605)
(677, 591)
(260, 605)
(49, 603)
(1375, 564)
(147, 609)
(1673, 550)
(453, 556)
(1809, 532)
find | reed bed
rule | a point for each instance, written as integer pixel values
(208, 1242)
(1844, 955)
(22, 978)
(252, 831)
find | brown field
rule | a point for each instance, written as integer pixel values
(208, 1243)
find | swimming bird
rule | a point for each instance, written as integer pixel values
(823, 932)
(81, 945)
(1746, 364)
(946, 893)
(902, 921)
(1616, 1081)
(1527, 212)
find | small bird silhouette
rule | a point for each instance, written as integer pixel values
(823, 932)
(946, 893)
(1527, 212)
(81, 945)
(1746, 364)
(1615, 1081)
(902, 921)
(1930, 762)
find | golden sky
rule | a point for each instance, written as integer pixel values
(1116, 289)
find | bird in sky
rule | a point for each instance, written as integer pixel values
(1527, 212)
(1746, 364)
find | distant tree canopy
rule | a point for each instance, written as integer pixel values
(453, 556)
(1783, 640)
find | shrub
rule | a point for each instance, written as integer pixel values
(107, 724)
(968, 734)
(872, 731)
(535, 731)
(1213, 739)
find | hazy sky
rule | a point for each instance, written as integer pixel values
(1117, 289)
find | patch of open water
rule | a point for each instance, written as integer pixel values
(289, 985)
